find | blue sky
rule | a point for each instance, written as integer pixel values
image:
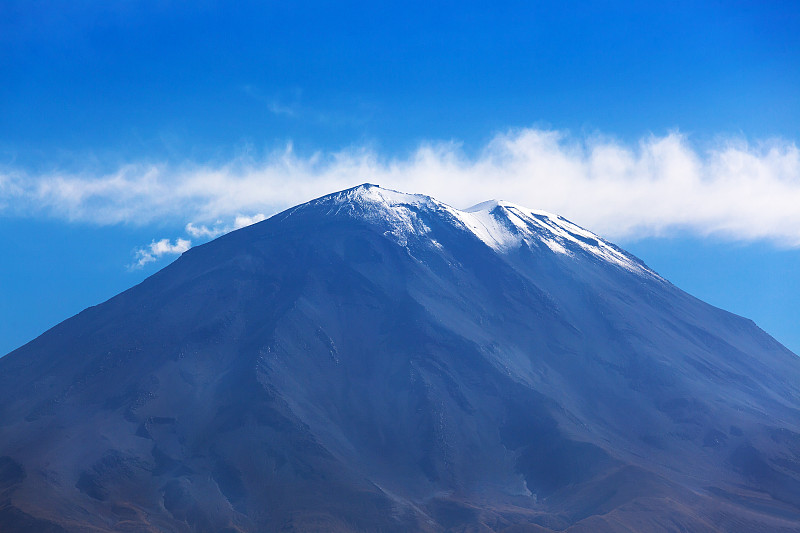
(671, 129)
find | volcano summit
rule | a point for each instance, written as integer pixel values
(379, 361)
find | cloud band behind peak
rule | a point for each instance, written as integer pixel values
(738, 190)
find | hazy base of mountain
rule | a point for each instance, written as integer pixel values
(375, 361)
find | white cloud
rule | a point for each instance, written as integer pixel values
(157, 249)
(655, 186)
(242, 221)
(218, 228)
(201, 231)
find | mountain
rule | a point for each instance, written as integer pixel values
(380, 361)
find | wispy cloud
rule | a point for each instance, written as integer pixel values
(278, 108)
(660, 184)
(275, 105)
(156, 249)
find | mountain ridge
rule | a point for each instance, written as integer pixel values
(500, 224)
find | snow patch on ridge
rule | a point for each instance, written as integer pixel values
(488, 228)
(504, 226)
(559, 233)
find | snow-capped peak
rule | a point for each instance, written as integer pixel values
(374, 196)
(399, 211)
(503, 226)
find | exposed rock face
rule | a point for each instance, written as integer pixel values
(375, 361)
